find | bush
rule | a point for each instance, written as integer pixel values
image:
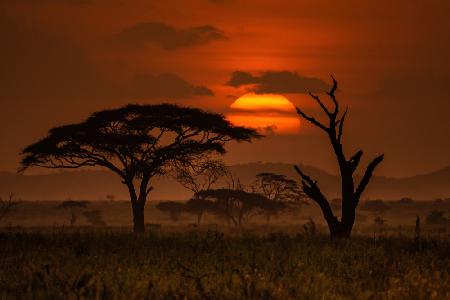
(437, 217)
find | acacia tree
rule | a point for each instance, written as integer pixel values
(137, 142)
(283, 193)
(199, 176)
(171, 208)
(235, 205)
(351, 191)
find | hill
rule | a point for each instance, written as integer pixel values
(95, 185)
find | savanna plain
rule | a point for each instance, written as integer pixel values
(48, 252)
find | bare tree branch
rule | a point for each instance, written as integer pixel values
(367, 175)
(312, 120)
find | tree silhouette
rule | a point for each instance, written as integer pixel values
(283, 193)
(235, 205)
(197, 176)
(172, 208)
(351, 192)
(137, 142)
(199, 206)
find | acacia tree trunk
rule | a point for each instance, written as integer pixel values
(138, 201)
(138, 216)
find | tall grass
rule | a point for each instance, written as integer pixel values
(210, 265)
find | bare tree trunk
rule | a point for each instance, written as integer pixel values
(347, 167)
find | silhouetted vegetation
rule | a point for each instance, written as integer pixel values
(437, 217)
(199, 206)
(351, 192)
(283, 194)
(235, 205)
(137, 142)
(171, 208)
(210, 265)
(376, 207)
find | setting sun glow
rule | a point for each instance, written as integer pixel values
(266, 112)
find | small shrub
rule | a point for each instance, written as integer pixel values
(437, 217)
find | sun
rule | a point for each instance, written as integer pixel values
(265, 112)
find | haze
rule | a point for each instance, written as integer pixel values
(62, 60)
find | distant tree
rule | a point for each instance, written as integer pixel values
(197, 176)
(137, 142)
(73, 206)
(172, 208)
(437, 217)
(95, 218)
(351, 192)
(199, 207)
(376, 207)
(110, 197)
(234, 205)
(7, 205)
(283, 193)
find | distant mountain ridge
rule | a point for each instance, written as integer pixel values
(95, 185)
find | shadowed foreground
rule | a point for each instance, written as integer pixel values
(94, 265)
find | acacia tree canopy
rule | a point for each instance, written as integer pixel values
(136, 142)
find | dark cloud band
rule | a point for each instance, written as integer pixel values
(167, 36)
(277, 82)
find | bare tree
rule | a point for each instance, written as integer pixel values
(351, 192)
(7, 205)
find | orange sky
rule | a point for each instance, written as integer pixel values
(63, 59)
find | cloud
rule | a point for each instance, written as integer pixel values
(167, 36)
(164, 86)
(41, 67)
(277, 82)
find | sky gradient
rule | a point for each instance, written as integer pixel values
(63, 59)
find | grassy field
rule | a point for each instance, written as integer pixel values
(209, 265)
(41, 257)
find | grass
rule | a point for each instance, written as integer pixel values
(57, 264)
